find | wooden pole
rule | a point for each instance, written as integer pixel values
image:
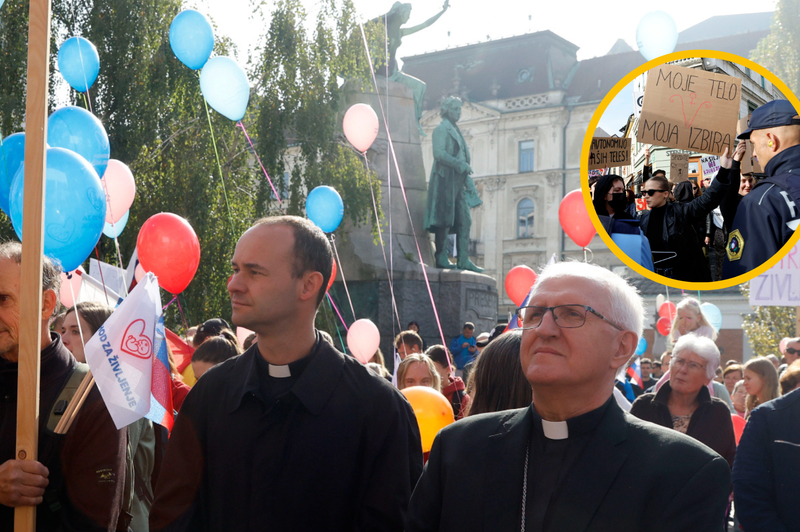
(30, 326)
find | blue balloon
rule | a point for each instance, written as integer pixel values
(656, 35)
(641, 347)
(12, 153)
(712, 314)
(74, 207)
(191, 38)
(224, 85)
(78, 130)
(324, 207)
(116, 230)
(78, 63)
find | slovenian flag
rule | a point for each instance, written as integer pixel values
(161, 409)
(635, 372)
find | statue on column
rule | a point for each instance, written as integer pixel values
(451, 191)
(394, 20)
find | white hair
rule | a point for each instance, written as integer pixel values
(626, 307)
(700, 346)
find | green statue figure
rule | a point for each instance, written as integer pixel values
(394, 19)
(451, 191)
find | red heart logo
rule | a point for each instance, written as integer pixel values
(134, 342)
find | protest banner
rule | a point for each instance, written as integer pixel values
(709, 165)
(678, 167)
(689, 109)
(780, 285)
(598, 172)
(606, 152)
(638, 98)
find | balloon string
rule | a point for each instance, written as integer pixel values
(277, 196)
(405, 198)
(341, 272)
(100, 267)
(383, 246)
(338, 333)
(173, 300)
(119, 258)
(86, 97)
(330, 300)
(219, 165)
(183, 316)
(389, 168)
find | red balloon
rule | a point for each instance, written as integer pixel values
(575, 219)
(664, 326)
(738, 426)
(667, 310)
(333, 276)
(519, 282)
(168, 247)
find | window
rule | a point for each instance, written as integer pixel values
(526, 156)
(525, 218)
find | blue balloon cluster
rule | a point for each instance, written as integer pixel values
(324, 207)
(76, 129)
(656, 35)
(74, 211)
(116, 230)
(191, 38)
(79, 63)
(225, 87)
(641, 347)
(12, 153)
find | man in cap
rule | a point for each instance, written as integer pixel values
(767, 217)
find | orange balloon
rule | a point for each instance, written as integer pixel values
(433, 412)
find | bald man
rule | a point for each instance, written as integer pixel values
(767, 217)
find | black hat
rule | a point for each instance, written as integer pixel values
(213, 327)
(772, 114)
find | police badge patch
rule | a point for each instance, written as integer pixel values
(735, 245)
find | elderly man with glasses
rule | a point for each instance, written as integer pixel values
(573, 459)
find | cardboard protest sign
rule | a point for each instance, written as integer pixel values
(609, 151)
(689, 109)
(709, 165)
(780, 285)
(678, 167)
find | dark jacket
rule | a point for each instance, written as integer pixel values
(710, 424)
(679, 231)
(473, 480)
(601, 189)
(765, 485)
(86, 465)
(767, 217)
(340, 450)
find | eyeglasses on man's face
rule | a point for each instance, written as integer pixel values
(565, 316)
(652, 191)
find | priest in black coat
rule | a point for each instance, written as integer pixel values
(573, 460)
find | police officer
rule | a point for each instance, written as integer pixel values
(767, 217)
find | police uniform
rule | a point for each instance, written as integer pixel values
(768, 216)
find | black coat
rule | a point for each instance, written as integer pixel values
(710, 424)
(765, 486)
(631, 476)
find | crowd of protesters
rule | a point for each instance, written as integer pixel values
(291, 434)
(711, 230)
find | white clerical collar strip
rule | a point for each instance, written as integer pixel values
(553, 430)
(279, 372)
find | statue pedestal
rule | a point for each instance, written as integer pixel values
(460, 296)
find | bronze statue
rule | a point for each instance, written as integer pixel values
(451, 191)
(394, 20)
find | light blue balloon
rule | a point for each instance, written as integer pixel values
(224, 85)
(191, 38)
(641, 347)
(2, 2)
(656, 35)
(324, 207)
(78, 63)
(78, 130)
(12, 153)
(74, 207)
(712, 314)
(116, 230)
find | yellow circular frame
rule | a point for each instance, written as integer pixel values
(587, 198)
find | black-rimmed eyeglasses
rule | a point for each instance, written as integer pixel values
(565, 316)
(653, 191)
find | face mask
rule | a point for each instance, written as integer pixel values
(618, 201)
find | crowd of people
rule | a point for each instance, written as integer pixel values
(291, 434)
(724, 225)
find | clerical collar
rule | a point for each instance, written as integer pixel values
(293, 369)
(571, 428)
(280, 372)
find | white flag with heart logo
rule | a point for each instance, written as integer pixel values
(121, 353)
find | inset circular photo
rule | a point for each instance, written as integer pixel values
(692, 165)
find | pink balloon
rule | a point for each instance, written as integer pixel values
(782, 346)
(361, 126)
(363, 339)
(120, 190)
(66, 293)
(242, 334)
(575, 219)
(138, 272)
